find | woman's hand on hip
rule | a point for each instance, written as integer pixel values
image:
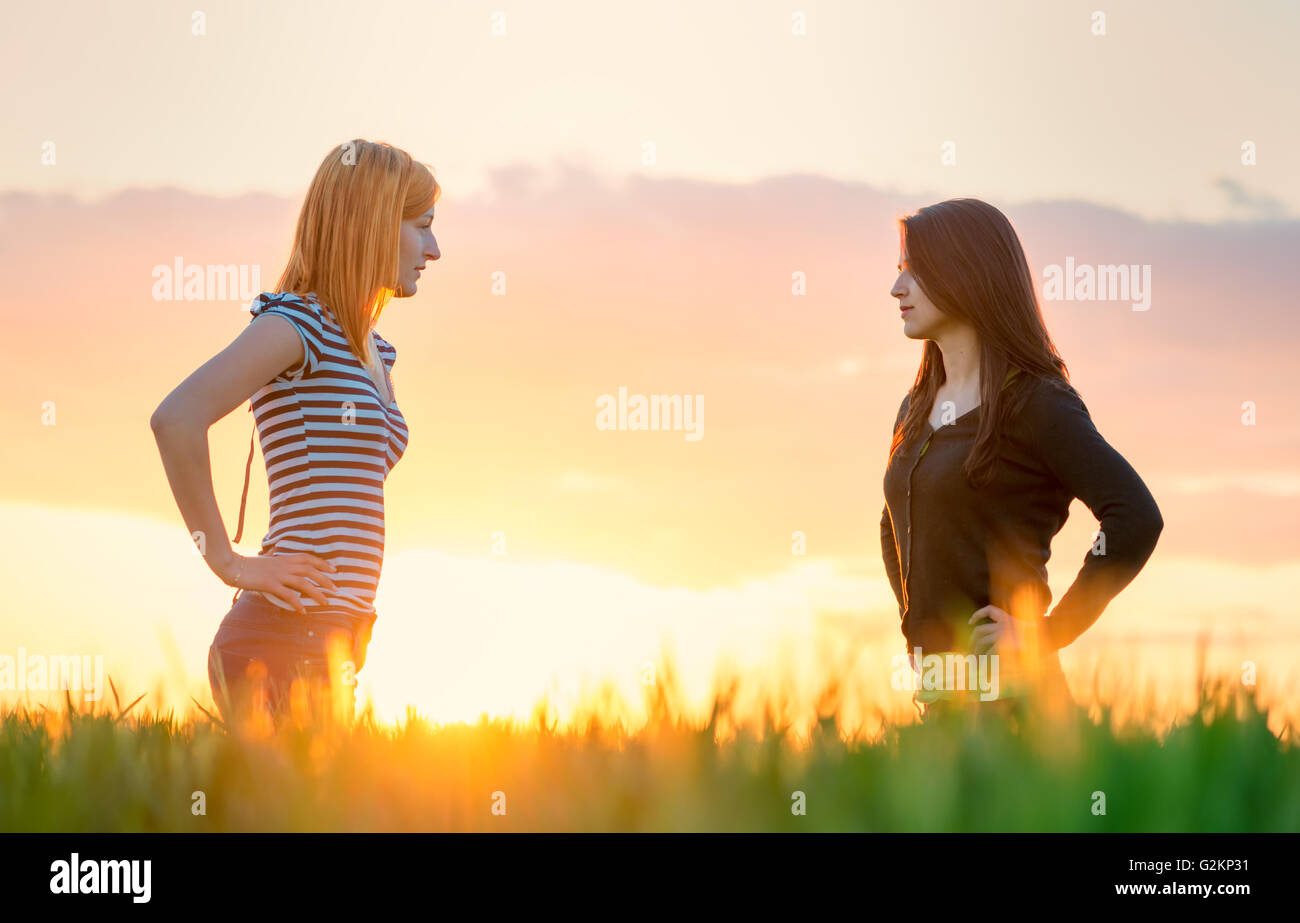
(284, 576)
(1000, 633)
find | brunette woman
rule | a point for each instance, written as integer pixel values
(990, 446)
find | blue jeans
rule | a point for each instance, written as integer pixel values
(260, 650)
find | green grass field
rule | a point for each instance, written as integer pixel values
(1220, 769)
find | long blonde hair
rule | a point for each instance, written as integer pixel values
(345, 248)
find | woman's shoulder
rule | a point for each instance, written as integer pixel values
(307, 305)
(1046, 392)
(1048, 408)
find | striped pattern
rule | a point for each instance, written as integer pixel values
(329, 441)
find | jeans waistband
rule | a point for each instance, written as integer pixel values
(336, 615)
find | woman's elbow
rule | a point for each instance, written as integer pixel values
(1153, 525)
(168, 417)
(163, 418)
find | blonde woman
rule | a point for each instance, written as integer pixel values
(316, 374)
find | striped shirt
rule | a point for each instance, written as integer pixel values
(329, 440)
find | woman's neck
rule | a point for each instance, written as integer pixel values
(960, 349)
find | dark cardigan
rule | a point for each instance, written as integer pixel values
(950, 549)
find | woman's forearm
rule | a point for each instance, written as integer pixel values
(1133, 532)
(184, 450)
(1089, 468)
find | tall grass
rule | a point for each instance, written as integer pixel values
(127, 769)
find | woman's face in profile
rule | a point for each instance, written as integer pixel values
(921, 319)
(417, 246)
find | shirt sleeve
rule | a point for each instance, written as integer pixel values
(306, 320)
(888, 546)
(1068, 444)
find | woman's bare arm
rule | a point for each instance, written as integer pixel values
(181, 423)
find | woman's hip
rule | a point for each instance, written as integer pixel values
(257, 628)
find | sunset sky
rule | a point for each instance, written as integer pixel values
(775, 153)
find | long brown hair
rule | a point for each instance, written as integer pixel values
(345, 248)
(966, 257)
